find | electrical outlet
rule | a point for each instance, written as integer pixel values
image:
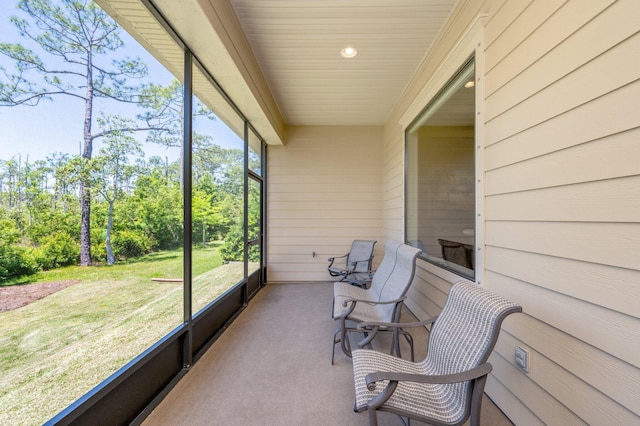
(522, 358)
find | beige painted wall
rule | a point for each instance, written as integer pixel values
(324, 191)
(559, 101)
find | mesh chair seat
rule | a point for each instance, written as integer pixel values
(436, 401)
(461, 339)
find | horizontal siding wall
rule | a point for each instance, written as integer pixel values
(324, 191)
(561, 202)
(393, 184)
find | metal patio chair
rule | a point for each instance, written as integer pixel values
(458, 253)
(355, 266)
(382, 301)
(446, 387)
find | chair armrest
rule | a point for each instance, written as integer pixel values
(371, 328)
(376, 324)
(339, 269)
(474, 373)
(353, 303)
(372, 302)
(331, 259)
(358, 277)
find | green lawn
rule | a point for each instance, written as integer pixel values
(54, 350)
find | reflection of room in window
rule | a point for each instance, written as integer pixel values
(441, 177)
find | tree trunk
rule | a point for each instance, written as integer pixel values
(85, 200)
(110, 257)
(85, 231)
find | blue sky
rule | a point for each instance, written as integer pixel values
(56, 126)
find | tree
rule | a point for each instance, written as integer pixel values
(163, 104)
(205, 214)
(112, 171)
(78, 39)
(157, 208)
(10, 183)
(36, 189)
(63, 188)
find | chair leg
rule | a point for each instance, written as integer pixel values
(409, 338)
(333, 347)
(373, 417)
(395, 346)
(340, 336)
(344, 342)
(476, 400)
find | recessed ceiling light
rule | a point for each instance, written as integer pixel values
(348, 52)
(469, 84)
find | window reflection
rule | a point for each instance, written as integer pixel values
(441, 177)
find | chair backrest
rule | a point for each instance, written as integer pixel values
(360, 256)
(465, 333)
(385, 268)
(399, 281)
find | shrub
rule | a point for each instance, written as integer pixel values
(15, 260)
(98, 250)
(233, 244)
(57, 250)
(127, 243)
(233, 248)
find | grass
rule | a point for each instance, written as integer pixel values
(159, 264)
(54, 350)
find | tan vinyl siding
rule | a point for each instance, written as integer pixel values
(393, 183)
(324, 191)
(561, 201)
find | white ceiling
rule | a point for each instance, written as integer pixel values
(279, 60)
(297, 45)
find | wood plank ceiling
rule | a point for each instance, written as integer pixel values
(297, 44)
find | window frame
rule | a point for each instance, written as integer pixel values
(470, 44)
(431, 110)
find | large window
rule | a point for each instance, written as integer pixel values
(123, 205)
(217, 193)
(91, 197)
(254, 201)
(440, 177)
